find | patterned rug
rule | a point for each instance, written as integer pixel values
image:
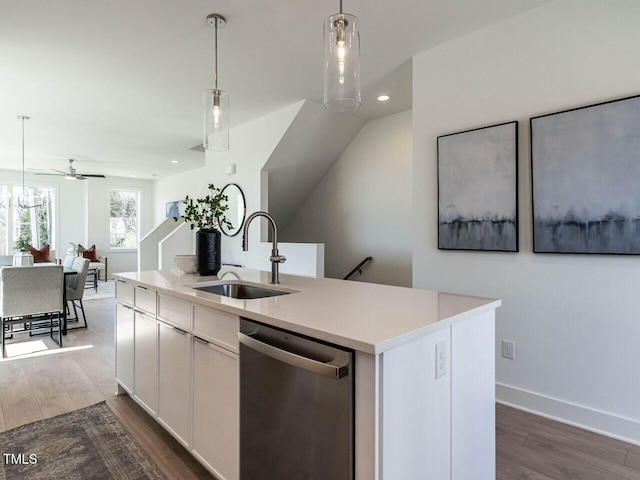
(105, 290)
(86, 444)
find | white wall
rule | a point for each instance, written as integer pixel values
(574, 318)
(67, 227)
(97, 222)
(82, 212)
(250, 146)
(362, 207)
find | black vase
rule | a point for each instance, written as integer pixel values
(208, 257)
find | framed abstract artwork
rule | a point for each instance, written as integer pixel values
(175, 209)
(585, 167)
(478, 189)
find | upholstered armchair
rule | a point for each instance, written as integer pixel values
(43, 255)
(97, 263)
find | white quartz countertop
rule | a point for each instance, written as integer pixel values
(367, 317)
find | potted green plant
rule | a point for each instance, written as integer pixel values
(76, 250)
(22, 257)
(207, 215)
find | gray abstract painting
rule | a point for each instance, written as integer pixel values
(478, 189)
(586, 179)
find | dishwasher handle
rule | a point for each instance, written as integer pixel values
(309, 364)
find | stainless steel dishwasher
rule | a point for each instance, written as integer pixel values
(296, 407)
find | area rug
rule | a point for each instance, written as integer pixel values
(86, 444)
(105, 290)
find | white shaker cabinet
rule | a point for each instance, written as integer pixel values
(174, 381)
(124, 292)
(124, 346)
(146, 361)
(424, 385)
(216, 409)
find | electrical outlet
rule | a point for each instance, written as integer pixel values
(509, 349)
(441, 359)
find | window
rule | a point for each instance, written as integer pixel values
(123, 219)
(34, 224)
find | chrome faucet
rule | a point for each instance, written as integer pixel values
(276, 259)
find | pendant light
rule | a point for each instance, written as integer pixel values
(22, 203)
(341, 62)
(216, 102)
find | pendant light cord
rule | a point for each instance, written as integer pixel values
(340, 7)
(215, 76)
(23, 118)
(22, 157)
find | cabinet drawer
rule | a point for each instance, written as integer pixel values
(145, 299)
(175, 311)
(124, 292)
(218, 327)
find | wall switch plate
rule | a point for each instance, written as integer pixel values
(230, 168)
(441, 359)
(509, 349)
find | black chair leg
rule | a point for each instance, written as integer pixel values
(84, 317)
(59, 320)
(77, 318)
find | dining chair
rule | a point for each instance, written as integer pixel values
(75, 290)
(68, 261)
(31, 294)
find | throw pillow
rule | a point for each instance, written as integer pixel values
(40, 256)
(90, 253)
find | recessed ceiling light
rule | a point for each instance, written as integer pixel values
(174, 161)
(384, 98)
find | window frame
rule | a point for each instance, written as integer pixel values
(12, 183)
(139, 191)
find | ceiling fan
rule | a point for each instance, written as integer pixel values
(70, 173)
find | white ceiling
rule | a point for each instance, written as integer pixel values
(117, 85)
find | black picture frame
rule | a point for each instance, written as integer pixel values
(585, 172)
(478, 189)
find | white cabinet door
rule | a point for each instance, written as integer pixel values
(124, 346)
(174, 381)
(124, 292)
(216, 409)
(174, 311)
(146, 361)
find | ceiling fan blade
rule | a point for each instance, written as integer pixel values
(59, 171)
(91, 175)
(80, 177)
(56, 174)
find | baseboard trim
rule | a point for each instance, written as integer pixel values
(597, 421)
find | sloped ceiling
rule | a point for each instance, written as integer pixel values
(311, 145)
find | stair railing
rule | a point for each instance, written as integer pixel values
(358, 268)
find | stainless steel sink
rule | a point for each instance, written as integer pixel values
(239, 291)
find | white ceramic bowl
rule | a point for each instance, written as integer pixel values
(186, 263)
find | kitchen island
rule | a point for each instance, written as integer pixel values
(424, 366)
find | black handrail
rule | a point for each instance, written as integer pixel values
(358, 268)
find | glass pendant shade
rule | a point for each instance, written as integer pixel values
(216, 120)
(341, 62)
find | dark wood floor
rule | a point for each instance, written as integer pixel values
(49, 383)
(37, 386)
(535, 448)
